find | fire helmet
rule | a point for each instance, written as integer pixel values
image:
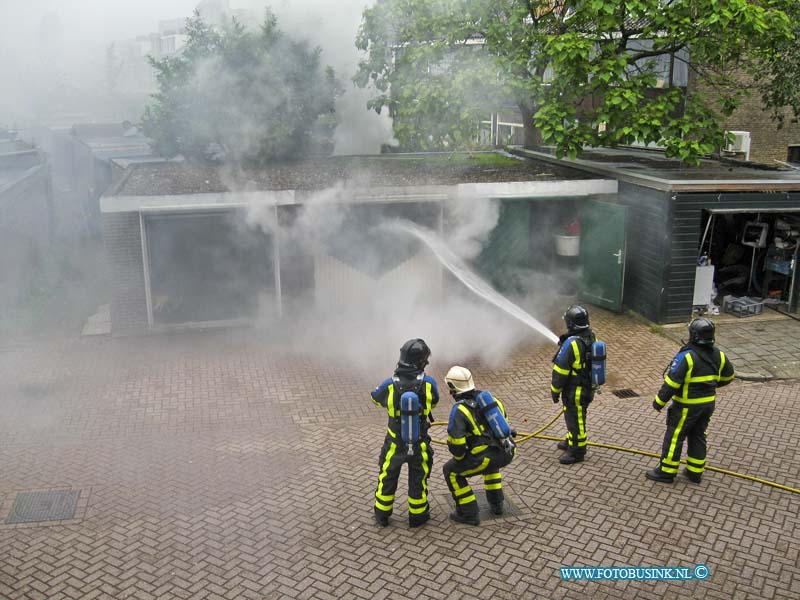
(576, 318)
(414, 353)
(701, 331)
(459, 380)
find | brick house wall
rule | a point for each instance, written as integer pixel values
(767, 142)
(123, 241)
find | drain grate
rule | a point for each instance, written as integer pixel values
(625, 393)
(34, 507)
(511, 509)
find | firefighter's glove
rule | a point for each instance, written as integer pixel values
(657, 406)
(556, 397)
(509, 447)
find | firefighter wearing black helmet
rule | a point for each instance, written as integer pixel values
(409, 376)
(690, 381)
(571, 382)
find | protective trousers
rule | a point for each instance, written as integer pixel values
(576, 402)
(393, 457)
(685, 422)
(487, 463)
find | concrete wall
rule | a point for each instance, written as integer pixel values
(25, 222)
(123, 242)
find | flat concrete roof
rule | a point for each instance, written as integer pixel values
(344, 195)
(653, 169)
(385, 178)
(112, 140)
(393, 170)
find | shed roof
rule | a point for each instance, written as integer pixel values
(653, 169)
(112, 140)
(361, 172)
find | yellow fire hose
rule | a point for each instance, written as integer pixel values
(538, 435)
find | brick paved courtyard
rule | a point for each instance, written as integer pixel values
(218, 465)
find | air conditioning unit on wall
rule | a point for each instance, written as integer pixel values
(740, 143)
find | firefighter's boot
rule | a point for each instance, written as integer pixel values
(659, 476)
(381, 518)
(418, 520)
(570, 459)
(465, 519)
(693, 477)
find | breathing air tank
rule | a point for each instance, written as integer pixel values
(494, 416)
(409, 420)
(598, 363)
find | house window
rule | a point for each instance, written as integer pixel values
(793, 156)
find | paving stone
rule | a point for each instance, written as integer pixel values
(222, 466)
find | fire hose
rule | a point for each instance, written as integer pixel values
(523, 437)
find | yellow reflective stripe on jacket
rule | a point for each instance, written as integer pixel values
(722, 361)
(690, 362)
(390, 400)
(465, 411)
(576, 353)
(555, 389)
(703, 378)
(671, 383)
(560, 371)
(704, 400)
(428, 397)
(462, 441)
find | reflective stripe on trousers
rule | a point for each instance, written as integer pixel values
(391, 461)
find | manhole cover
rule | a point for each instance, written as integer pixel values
(511, 509)
(33, 507)
(625, 393)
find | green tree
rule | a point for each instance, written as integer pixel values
(257, 96)
(581, 72)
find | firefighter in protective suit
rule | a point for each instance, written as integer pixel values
(571, 382)
(409, 376)
(690, 382)
(475, 451)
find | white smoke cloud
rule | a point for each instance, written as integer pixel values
(54, 67)
(389, 307)
(333, 27)
(54, 53)
(470, 222)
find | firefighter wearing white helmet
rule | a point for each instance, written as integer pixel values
(475, 448)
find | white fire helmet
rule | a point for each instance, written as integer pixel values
(459, 380)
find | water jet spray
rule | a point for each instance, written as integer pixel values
(467, 276)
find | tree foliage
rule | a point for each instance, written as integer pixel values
(255, 96)
(581, 72)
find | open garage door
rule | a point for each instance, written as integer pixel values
(207, 267)
(749, 255)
